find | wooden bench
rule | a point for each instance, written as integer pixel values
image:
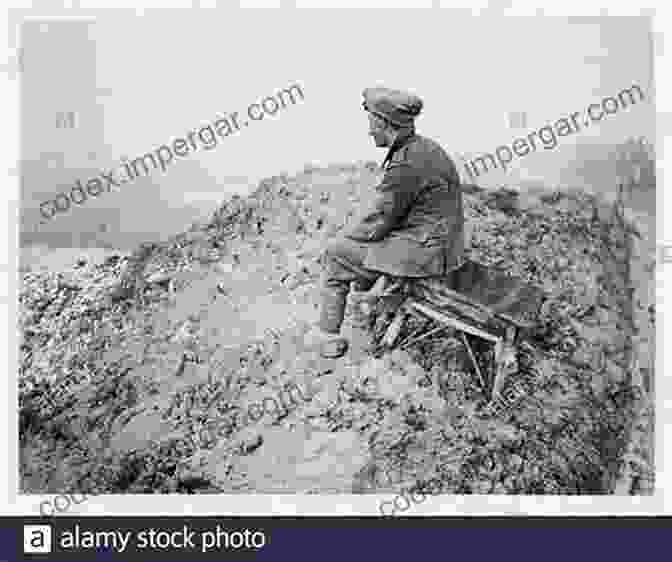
(475, 300)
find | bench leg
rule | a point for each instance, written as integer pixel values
(505, 361)
(473, 360)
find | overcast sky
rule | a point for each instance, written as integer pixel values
(137, 83)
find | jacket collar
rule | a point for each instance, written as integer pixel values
(401, 140)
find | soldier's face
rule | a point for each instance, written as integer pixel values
(378, 131)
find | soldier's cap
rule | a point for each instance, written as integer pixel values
(398, 107)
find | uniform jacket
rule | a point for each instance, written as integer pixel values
(416, 227)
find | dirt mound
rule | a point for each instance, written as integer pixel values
(169, 370)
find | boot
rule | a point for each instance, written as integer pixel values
(331, 346)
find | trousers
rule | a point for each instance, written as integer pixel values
(342, 265)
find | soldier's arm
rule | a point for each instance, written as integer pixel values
(395, 195)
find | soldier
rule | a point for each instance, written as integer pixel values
(416, 227)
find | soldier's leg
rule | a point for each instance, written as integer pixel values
(342, 266)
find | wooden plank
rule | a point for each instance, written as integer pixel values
(439, 289)
(473, 360)
(452, 321)
(490, 289)
(416, 338)
(470, 310)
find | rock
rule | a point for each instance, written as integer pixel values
(159, 277)
(250, 442)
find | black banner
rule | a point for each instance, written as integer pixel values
(311, 538)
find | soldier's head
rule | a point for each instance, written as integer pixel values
(390, 113)
(381, 130)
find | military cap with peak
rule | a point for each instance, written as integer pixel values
(401, 108)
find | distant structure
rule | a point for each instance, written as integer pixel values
(62, 124)
(61, 119)
(65, 120)
(516, 120)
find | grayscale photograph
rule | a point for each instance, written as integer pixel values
(401, 255)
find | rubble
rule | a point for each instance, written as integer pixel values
(215, 317)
